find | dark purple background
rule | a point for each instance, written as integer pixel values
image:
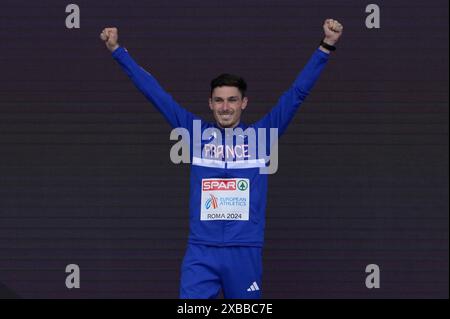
(85, 175)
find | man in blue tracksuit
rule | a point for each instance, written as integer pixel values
(227, 189)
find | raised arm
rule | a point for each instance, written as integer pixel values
(176, 115)
(283, 112)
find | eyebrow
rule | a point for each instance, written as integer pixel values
(230, 97)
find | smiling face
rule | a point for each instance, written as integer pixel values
(227, 105)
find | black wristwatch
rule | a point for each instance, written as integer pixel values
(327, 46)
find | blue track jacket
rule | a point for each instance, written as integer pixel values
(227, 191)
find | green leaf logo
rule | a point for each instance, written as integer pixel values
(242, 185)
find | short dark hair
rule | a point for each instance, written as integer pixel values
(226, 79)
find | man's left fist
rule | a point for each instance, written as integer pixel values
(333, 30)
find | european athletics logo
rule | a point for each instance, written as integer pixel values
(211, 202)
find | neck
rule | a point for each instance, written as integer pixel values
(233, 126)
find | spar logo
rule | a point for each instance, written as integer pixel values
(211, 202)
(242, 185)
(219, 185)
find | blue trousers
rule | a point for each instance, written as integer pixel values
(237, 270)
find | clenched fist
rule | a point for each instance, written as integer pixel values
(110, 36)
(333, 30)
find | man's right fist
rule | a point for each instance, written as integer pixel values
(110, 36)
